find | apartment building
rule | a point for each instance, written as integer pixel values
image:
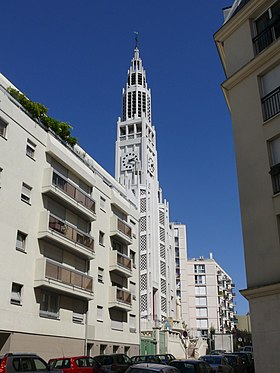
(208, 298)
(249, 48)
(68, 242)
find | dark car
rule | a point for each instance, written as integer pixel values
(191, 366)
(218, 363)
(151, 368)
(24, 362)
(117, 363)
(236, 362)
(145, 359)
(247, 360)
(76, 364)
(165, 358)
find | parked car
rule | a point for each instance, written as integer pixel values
(151, 368)
(76, 364)
(165, 358)
(23, 362)
(217, 352)
(145, 359)
(247, 349)
(236, 362)
(247, 360)
(192, 366)
(113, 363)
(219, 363)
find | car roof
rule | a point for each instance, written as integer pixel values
(70, 357)
(150, 366)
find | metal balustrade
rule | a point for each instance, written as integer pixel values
(266, 37)
(73, 192)
(124, 261)
(73, 234)
(271, 104)
(124, 228)
(67, 276)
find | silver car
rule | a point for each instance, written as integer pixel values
(151, 368)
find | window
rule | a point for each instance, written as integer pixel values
(16, 295)
(199, 268)
(200, 279)
(132, 256)
(275, 164)
(201, 312)
(99, 313)
(101, 238)
(49, 306)
(25, 193)
(270, 86)
(200, 301)
(200, 290)
(30, 149)
(102, 203)
(100, 275)
(133, 290)
(267, 28)
(3, 127)
(21, 241)
(202, 323)
(132, 323)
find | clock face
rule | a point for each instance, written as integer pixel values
(151, 166)
(129, 160)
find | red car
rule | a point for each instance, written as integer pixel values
(76, 364)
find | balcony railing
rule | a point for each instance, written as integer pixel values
(267, 36)
(123, 296)
(124, 261)
(271, 104)
(73, 192)
(67, 276)
(73, 234)
(275, 174)
(124, 228)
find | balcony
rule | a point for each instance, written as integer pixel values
(57, 277)
(120, 264)
(65, 235)
(121, 230)
(271, 104)
(120, 299)
(60, 189)
(267, 36)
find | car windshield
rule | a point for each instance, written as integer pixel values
(184, 367)
(213, 359)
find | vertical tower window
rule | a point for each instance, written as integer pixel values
(139, 78)
(100, 275)
(139, 105)
(133, 103)
(129, 105)
(133, 79)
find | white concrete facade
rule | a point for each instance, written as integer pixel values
(207, 298)
(249, 48)
(69, 246)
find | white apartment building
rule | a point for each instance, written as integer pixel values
(137, 170)
(249, 48)
(69, 246)
(207, 298)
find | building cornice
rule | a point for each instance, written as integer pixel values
(261, 291)
(256, 63)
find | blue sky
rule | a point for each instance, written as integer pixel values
(72, 56)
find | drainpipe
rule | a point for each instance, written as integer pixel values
(86, 333)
